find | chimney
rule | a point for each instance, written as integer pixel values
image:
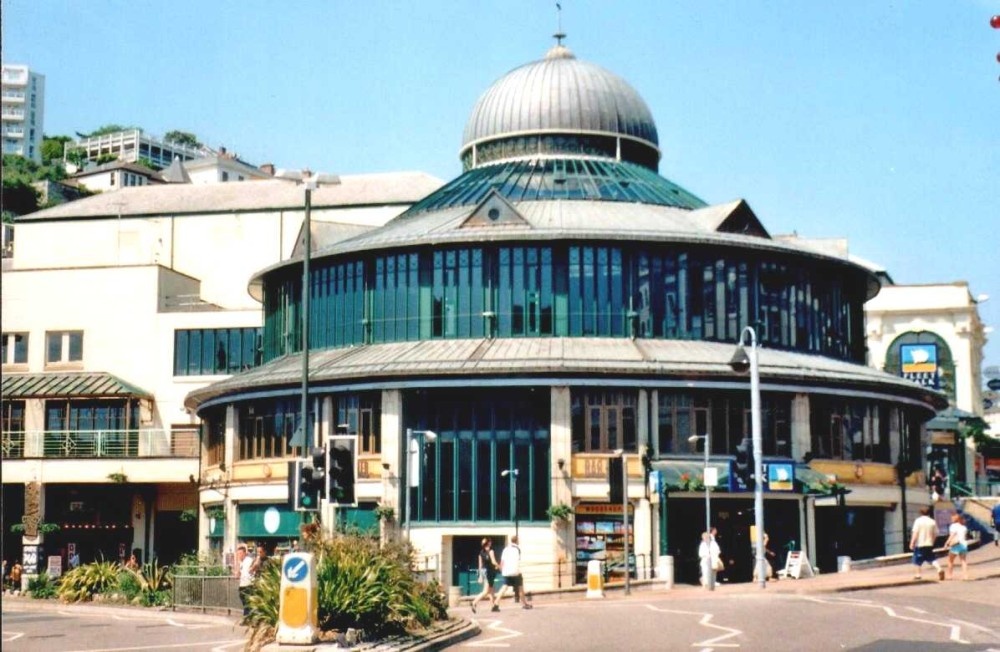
(268, 168)
(222, 151)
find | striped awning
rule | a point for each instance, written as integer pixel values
(69, 385)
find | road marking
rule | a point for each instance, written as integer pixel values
(226, 646)
(705, 620)
(161, 646)
(495, 641)
(954, 631)
(11, 636)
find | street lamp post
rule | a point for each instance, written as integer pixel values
(709, 569)
(310, 182)
(620, 452)
(512, 473)
(413, 468)
(741, 362)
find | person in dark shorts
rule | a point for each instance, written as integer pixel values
(488, 567)
(510, 568)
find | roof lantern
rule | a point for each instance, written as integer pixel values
(560, 107)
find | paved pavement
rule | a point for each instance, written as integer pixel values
(892, 571)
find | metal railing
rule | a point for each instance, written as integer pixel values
(207, 592)
(73, 444)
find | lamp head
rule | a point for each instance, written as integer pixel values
(430, 435)
(740, 362)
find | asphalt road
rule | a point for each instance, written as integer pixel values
(923, 616)
(93, 629)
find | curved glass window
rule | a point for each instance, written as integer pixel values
(844, 429)
(266, 428)
(478, 438)
(568, 289)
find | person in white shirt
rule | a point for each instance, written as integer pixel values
(709, 556)
(510, 568)
(922, 543)
(244, 572)
(958, 545)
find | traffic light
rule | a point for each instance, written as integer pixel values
(320, 470)
(302, 492)
(616, 494)
(341, 468)
(744, 462)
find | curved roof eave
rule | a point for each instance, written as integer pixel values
(565, 357)
(443, 228)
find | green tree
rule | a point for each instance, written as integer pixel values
(52, 147)
(182, 138)
(19, 197)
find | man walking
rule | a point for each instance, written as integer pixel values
(510, 568)
(922, 543)
(242, 571)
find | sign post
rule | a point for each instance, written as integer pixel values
(298, 610)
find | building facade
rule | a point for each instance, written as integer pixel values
(23, 111)
(114, 308)
(558, 306)
(933, 335)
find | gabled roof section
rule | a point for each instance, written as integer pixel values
(69, 385)
(735, 217)
(176, 172)
(494, 211)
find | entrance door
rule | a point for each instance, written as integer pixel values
(465, 563)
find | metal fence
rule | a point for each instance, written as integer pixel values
(100, 444)
(207, 592)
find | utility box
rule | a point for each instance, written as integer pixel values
(298, 609)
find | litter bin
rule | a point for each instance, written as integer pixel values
(843, 564)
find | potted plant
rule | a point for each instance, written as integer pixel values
(559, 512)
(385, 513)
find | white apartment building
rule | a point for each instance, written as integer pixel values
(222, 168)
(131, 145)
(114, 308)
(23, 111)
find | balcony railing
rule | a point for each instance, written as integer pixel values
(77, 444)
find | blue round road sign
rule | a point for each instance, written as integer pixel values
(295, 569)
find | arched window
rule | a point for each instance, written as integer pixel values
(925, 358)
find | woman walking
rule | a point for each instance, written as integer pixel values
(957, 545)
(487, 572)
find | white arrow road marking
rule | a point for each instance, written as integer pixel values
(955, 631)
(495, 641)
(705, 620)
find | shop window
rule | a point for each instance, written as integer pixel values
(360, 414)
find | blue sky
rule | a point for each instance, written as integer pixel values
(871, 120)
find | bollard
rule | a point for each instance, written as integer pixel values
(665, 570)
(843, 564)
(454, 593)
(595, 579)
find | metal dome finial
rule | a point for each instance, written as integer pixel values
(559, 35)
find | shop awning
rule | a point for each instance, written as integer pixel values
(69, 385)
(686, 475)
(257, 521)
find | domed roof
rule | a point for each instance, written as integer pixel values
(561, 95)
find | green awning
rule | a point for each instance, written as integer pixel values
(69, 385)
(684, 475)
(262, 520)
